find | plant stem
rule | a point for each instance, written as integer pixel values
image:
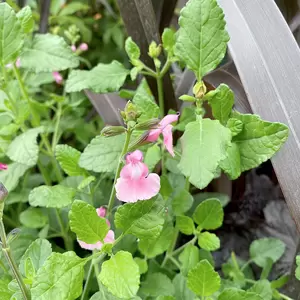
(11, 262)
(150, 71)
(96, 269)
(113, 191)
(175, 262)
(159, 81)
(165, 68)
(63, 232)
(191, 242)
(44, 173)
(84, 294)
(55, 135)
(285, 297)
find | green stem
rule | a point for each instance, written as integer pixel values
(150, 71)
(159, 80)
(175, 262)
(191, 242)
(10, 221)
(44, 173)
(12, 264)
(64, 234)
(96, 269)
(55, 134)
(165, 68)
(246, 265)
(113, 191)
(84, 294)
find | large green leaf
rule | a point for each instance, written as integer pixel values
(189, 257)
(11, 35)
(102, 154)
(104, 78)
(60, 278)
(203, 147)
(49, 53)
(24, 148)
(157, 284)
(201, 40)
(144, 219)
(120, 274)
(86, 223)
(51, 196)
(235, 294)
(262, 288)
(203, 280)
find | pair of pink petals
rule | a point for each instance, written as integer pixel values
(110, 237)
(3, 166)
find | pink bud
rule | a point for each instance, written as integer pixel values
(57, 77)
(3, 166)
(18, 62)
(83, 47)
(73, 47)
(101, 211)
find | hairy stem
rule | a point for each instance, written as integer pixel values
(84, 294)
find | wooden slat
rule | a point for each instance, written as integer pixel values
(45, 11)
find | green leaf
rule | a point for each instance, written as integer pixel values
(208, 241)
(33, 218)
(142, 263)
(203, 146)
(60, 278)
(189, 257)
(297, 271)
(68, 158)
(235, 126)
(132, 50)
(86, 223)
(152, 157)
(38, 252)
(223, 198)
(157, 284)
(24, 148)
(11, 35)
(202, 38)
(168, 40)
(280, 282)
(204, 254)
(29, 269)
(181, 290)
(4, 290)
(209, 214)
(51, 196)
(73, 7)
(185, 225)
(26, 19)
(262, 249)
(103, 78)
(235, 294)
(262, 288)
(182, 202)
(120, 274)
(145, 102)
(188, 115)
(49, 53)
(221, 100)
(166, 189)
(203, 280)
(86, 182)
(102, 154)
(144, 219)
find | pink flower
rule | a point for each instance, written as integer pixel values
(18, 62)
(73, 48)
(83, 47)
(164, 128)
(135, 182)
(3, 166)
(101, 211)
(57, 77)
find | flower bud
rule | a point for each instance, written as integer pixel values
(83, 47)
(130, 112)
(154, 50)
(112, 130)
(187, 98)
(199, 89)
(3, 192)
(73, 48)
(139, 141)
(149, 124)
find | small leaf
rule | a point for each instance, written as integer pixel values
(86, 223)
(49, 53)
(60, 278)
(102, 154)
(152, 157)
(204, 144)
(68, 158)
(142, 263)
(208, 241)
(51, 196)
(33, 218)
(262, 249)
(24, 148)
(203, 280)
(73, 7)
(168, 40)
(29, 269)
(132, 49)
(120, 274)
(185, 225)
(235, 294)
(209, 214)
(103, 78)
(86, 182)
(280, 282)
(235, 126)
(182, 202)
(157, 284)
(262, 288)
(26, 19)
(202, 38)
(189, 258)
(143, 219)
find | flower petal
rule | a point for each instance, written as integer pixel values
(168, 119)
(101, 211)
(3, 166)
(110, 237)
(84, 245)
(153, 135)
(168, 139)
(134, 171)
(135, 156)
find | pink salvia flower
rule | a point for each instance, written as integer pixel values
(3, 166)
(164, 128)
(83, 47)
(57, 77)
(135, 182)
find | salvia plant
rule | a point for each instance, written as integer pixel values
(117, 220)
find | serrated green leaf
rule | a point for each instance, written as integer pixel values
(60, 278)
(26, 19)
(262, 249)
(152, 157)
(51, 196)
(168, 40)
(4, 290)
(181, 290)
(235, 294)
(189, 257)
(86, 223)
(221, 100)
(182, 202)
(68, 158)
(262, 288)
(103, 78)
(33, 218)
(73, 7)
(157, 284)
(203, 280)
(102, 154)
(208, 241)
(11, 35)
(24, 148)
(142, 263)
(203, 146)
(48, 53)
(120, 274)
(185, 225)
(209, 214)
(132, 49)
(202, 38)
(143, 219)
